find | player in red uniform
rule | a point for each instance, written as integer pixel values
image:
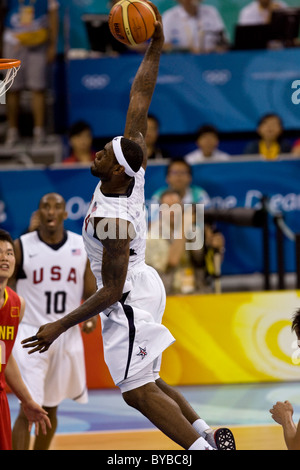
(11, 312)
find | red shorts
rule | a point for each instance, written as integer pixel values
(5, 423)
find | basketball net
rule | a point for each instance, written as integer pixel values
(11, 68)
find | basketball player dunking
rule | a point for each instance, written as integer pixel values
(131, 296)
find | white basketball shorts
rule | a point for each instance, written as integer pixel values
(56, 374)
(133, 335)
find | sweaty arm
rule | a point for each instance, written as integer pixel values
(114, 270)
(89, 282)
(143, 87)
(34, 413)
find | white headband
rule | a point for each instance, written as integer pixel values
(120, 157)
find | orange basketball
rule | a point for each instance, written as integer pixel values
(132, 21)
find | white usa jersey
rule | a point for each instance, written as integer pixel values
(130, 207)
(51, 280)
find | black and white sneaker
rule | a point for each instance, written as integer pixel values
(224, 439)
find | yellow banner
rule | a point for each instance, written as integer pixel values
(231, 338)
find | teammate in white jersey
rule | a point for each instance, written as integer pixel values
(131, 296)
(53, 275)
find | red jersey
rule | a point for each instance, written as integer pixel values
(9, 323)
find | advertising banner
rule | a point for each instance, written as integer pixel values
(232, 338)
(220, 339)
(229, 185)
(230, 91)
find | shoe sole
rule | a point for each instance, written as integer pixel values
(224, 439)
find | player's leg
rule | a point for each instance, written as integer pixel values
(184, 405)
(198, 423)
(163, 412)
(5, 423)
(43, 441)
(20, 433)
(173, 393)
(142, 393)
(65, 379)
(34, 369)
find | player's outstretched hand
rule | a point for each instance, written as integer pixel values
(44, 338)
(36, 416)
(158, 33)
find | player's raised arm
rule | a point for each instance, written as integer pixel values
(143, 87)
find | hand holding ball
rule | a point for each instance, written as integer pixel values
(132, 21)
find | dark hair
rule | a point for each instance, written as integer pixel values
(206, 129)
(6, 237)
(296, 321)
(270, 115)
(52, 194)
(154, 118)
(133, 153)
(179, 160)
(78, 127)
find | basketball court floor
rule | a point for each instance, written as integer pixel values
(107, 423)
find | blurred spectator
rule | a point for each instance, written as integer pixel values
(80, 140)
(296, 148)
(259, 12)
(179, 178)
(153, 150)
(207, 140)
(170, 247)
(193, 27)
(270, 143)
(30, 34)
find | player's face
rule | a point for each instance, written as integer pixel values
(7, 259)
(104, 163)
(52, 212)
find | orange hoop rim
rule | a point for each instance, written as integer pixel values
(9, 63)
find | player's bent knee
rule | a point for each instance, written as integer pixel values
(136, 397)
(130, 399)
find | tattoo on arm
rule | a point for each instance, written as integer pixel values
(115, 264)
(141, 92)
(114, 270)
